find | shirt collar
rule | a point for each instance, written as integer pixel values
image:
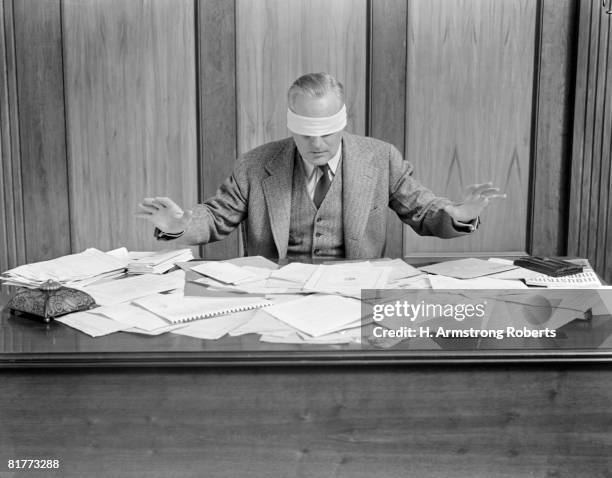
(332, 163)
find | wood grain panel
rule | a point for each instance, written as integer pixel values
(590, 215)
(279, 40)
(12, 235)
(388, 91)
(12, 247)
(217, 105)
(131, 114)
(599, 199)
(346, 422)
(469, 102)
(553, 133)
(578, 145)
(38, 46)
(605, 152)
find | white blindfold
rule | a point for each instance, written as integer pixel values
(309, 126)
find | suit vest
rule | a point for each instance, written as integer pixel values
(312, 232)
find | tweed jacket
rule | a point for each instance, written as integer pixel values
(374, 177)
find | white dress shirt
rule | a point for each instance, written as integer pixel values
(313, 173)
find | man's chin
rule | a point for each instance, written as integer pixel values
(318, 159)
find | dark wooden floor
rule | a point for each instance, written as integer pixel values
(422, 421)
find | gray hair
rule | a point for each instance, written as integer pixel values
(315, 85)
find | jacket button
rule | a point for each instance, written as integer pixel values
(317, 251)
(319, 219)
(318, 234)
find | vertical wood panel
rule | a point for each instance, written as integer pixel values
(578, 146)
(279, 40)
(604, 128)
(552, 142)
(469, 104)
(12, 236)
(217, 101)
(38, 43)
(591, 203)
(599, 197)
(388, 90)
(131, 114)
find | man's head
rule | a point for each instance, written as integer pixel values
(316, 116)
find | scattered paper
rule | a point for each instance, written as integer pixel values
(92, 324)
(157, 262)
(225, 272)
(347, 279)
(132, 316)
(443, 282)
(318, 314)
(185, 309)
(125, 290)
(295, 272)
(217, 327)
(466, 268)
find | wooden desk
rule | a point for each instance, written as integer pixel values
(383, 420)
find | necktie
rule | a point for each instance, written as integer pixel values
(322, 186)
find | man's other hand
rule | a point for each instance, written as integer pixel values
(476, 200)
(165, 214)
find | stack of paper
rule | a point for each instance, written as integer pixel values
(131, 288)
(74, 270)
(157, 262)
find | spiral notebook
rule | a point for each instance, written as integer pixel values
(176, 309)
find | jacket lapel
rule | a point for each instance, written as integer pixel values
(277, 192)
(357, 192)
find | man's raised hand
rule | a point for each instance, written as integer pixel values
(476, 200)
(165, 214)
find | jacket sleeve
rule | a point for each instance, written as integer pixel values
(416, 205)
(219, 215)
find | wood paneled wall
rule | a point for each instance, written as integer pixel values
(279, 40)
(469, 110)
(552, 128)
(12, 233)
(216, 42)
(590, 218)
(42, 134)
(106, 101)
(131, 114)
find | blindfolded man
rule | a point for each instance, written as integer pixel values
(321, 192)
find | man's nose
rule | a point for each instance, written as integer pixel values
(316, 141)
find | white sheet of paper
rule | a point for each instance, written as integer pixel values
(253, 261)
(186, 309)
(516, 274)
(469, 268)
(92, 324)
(261, 323)
(159, 331)
(348, 279)
(399, 269)
(443, 282)
(318, 314)
(225, 272)
(417, 282)
(217, 327)
(295, 272)
(125, 290)
(132, 315)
